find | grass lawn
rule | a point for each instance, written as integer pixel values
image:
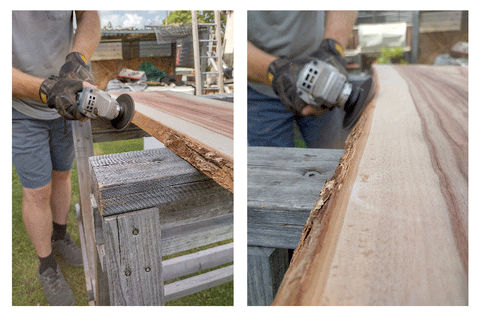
(26, 288)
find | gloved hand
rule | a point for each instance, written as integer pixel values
(61, 94)
(283, 74)
(76, 67)
(331, 52)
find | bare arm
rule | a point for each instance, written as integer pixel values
(86, 40)
(25, 86)
(88, 33)
(258, 62)
(338, 26)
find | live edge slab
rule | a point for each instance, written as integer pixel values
(391, 226)
(199, 130)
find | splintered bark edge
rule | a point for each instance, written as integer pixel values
(219, 168)
(321, 231)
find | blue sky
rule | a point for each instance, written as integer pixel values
(136, 19)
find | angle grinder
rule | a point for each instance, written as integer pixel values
(95, 103)
(323, 86)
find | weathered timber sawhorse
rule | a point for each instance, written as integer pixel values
(84, 135)
(169, 211)
(149, 204)
(283, 185)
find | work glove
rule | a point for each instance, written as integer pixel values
(283, 73)
(61, 94)
(76, 67)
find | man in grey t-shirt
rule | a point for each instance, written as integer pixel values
(49, 67)
(278, 43)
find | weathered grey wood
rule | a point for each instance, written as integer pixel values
(133, 247)
(103, 290)
(142, 179)
(288, 178)
(97, 222)
(198, 283)
(283, 236)
(266, 267)
(103, 131)
(159, 190)
(82, 137)
(192, 263)
(179, 238)
(90, 292)
(283, 184)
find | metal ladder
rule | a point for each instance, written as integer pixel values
(216, 59)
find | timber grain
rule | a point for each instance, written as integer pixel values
(390, 226)
(200, 130)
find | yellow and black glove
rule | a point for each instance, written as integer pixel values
(76, 67)
(61, 94)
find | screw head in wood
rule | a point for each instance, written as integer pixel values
(135, 231)
(312, 173)
(147, 269)
(128, 272)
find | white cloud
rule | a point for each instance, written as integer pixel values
(126, 19)
(133, 20)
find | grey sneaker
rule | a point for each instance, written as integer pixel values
(66, 248)
(56, 289)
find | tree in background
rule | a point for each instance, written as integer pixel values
(185, 17)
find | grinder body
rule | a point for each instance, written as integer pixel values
(321, 84)
(95, 103)
(324, 87)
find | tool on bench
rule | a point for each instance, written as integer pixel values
(95, 103)
(322, 85)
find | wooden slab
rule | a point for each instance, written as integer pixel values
(390, 227)
(199, 130)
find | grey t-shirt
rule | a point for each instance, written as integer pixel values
(286, 34)
(40, 42)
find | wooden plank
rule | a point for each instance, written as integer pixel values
(197, 129)
(198, 283)
(203, 232)
(283, 184)
(82, 138)
(198, 261)
(134, 249)
(88, 282)
(266, 267)
(267, 235)
(390, 227)
(157, 177)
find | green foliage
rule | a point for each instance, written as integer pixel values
(392, 55)
(185, 17)
(178, 17)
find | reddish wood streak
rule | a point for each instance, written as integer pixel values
(216, 119)
(441, 98)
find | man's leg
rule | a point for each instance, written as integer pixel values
(61, 196)
(62, 243)
(270, 124)
(32, 161)
(37, 218)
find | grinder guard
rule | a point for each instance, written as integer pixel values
(127, 110)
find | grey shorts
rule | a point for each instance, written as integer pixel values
(39, 147)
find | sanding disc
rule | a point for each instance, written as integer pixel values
(366, 92)
(126, 114)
